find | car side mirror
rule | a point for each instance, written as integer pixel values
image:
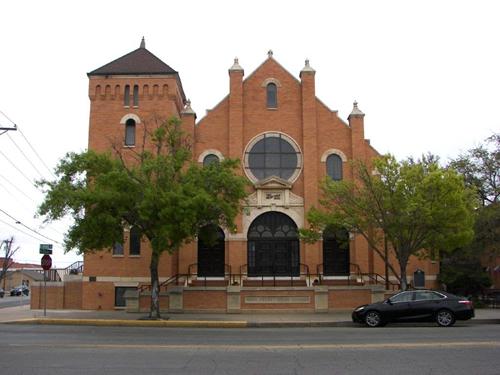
(389, 302)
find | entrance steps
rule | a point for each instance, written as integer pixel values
(267, 283)
(201, 282)
(342, 282)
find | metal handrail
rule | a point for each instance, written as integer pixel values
(244, 273)
(74, 268)
(191, 274)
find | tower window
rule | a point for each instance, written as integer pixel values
(136, 96)
(126, 96)
(272, 95)
(135, 241)
(130, 132)
(334, 167)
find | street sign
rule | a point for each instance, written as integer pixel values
(45, 249)
(46, 262)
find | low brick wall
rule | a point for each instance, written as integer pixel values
(60, 295)
(272, 299)
(343, 298)
(212, 299)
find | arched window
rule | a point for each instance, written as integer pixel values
(334, 167)
(209, 159)
(130, 132)
(126, 96)
(136, 96)
(135, 241)
(272, 95)
(211, 251)
(336, 255)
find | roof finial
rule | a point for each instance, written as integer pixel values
(307, 67)
(187, 109)
(355, 110)
(143, 43)
(270, 53)
(236, 65)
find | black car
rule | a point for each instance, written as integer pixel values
(416, 305)
(17, 291)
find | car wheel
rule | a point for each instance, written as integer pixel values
(373, 319)
(445, 318)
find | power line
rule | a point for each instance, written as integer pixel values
(36, 153)
(16, 167)
(19, 230)
(17, 188)
(31, 229)
(26, 157)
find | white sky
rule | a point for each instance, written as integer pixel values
(426, 73)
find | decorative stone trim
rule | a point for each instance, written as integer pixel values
(129, 116)
(332, 151)
(209, 152)
(267, 81)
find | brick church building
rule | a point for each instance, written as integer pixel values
(287, 141)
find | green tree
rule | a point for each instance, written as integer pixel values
(420, 208)
(462, 270)
(159, 189)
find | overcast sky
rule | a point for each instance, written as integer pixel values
(426, 74)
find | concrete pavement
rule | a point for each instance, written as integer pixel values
(23, 314)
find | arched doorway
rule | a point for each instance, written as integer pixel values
(211, 251)
(336, 257)
(273, 246)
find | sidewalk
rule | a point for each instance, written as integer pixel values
(22, 314)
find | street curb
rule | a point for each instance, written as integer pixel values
(134, 323)
(207, 323)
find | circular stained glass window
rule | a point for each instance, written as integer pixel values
(273, 154)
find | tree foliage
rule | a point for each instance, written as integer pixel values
(158, 189)
(480, 167)
(421, 209)
(462, 270)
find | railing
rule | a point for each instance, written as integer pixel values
(237, 279)
(193, 272)
(74, 269)
(375, 278)
(177, 279)
(52, 275)
(354, 270)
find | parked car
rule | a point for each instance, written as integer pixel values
(416, 305)
(17, 291)
(2, 293)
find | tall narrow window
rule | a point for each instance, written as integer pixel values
(126, 96)
(130, 132)
(272, 95)
(334, 167)
(118, 247)
(135, 241)
(136, 96)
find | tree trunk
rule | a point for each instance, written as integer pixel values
(404, 282)
(155, 287)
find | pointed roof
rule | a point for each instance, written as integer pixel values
(139, 61)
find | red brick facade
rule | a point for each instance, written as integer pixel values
(226, 131)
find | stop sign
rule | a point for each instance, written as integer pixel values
(46, 262)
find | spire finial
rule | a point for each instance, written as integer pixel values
(355, 110)
(307, 67)
(143, 43)
(187, 109)
(270, 53)
(236, 65)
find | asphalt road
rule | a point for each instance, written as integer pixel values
(396, 349)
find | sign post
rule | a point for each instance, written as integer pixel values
(46, 265)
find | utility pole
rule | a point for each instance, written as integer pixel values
(5, 129)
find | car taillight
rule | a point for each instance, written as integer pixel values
(466, 302)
